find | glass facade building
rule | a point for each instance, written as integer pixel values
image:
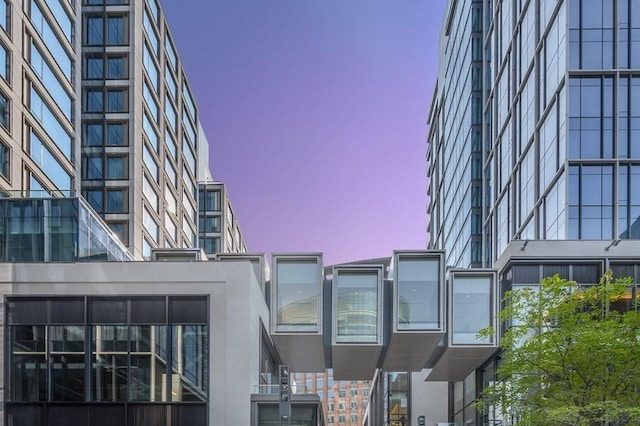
(533, 136)
(559, 114)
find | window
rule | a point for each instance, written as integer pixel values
(354, 405)
(4, 15)
(116, 167)
(171, 172)
(50, 165)
(172, 58)
(5, 156)
(150, 193)
(94, 34)
(150, 101)
(50, 81)
(113, 34)
(94, 134)
(115, 30)
(151, 67)
(94, 197)
(354, 392)
(51, 41)
(92, 167)
(116, 100)
(116, 67)
(50, 123)
(94, 67)
(170, 113)
(4, 111)
(209, 224)
(150, 224)
(115, 201)
(115, 134)
(4, 60)
(95, 101)
(172, 148)
(150, 162)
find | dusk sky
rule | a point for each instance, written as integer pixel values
(316, 114)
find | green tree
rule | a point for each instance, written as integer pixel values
(571, 355)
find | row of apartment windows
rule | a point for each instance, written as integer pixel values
(342, 419)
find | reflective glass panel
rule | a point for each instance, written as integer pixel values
(471, 309)
(357, 310)
(418, 295)
(297, 295)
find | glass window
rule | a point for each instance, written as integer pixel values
(5, 156)
(51, 41)
(188, 101)
(95, 101)
(297, 295)
(116, 67)
(172, 86)
(171, 172)
(4, 15)
(4, 60)
(4, 111)
(115, 30)
(357, 306)
(115, 201)
(189, 157)
(418, 293)
(94, 67)
(94, 197)
(193, 368)
(50, 165)
(150, 224)
(115, 134)
(170, 199)
(150, 162)
(116, 100)
(150, 101)
(171, 52)
(151, 33)
(116, 167)
(92, 134)
(170, 113)
(50, 81)
(64, 21)
(150, 67)
(150, 193)
(172, 148)
(95, 36)
(50, 123)
(471, 309)
(93, 167)
(209, 223)
(150, 132)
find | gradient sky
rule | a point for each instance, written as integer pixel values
(316, 113)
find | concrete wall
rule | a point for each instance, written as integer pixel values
(428, 399)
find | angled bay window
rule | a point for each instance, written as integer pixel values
(472, 307)
(358, 305)
(297, 293)
(419, 292)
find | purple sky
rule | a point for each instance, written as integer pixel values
(316, 113)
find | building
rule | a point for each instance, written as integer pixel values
(39, 141)
(531, 144)
(107, 113)
(344, 401)
(218, 227)
(139, 126)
